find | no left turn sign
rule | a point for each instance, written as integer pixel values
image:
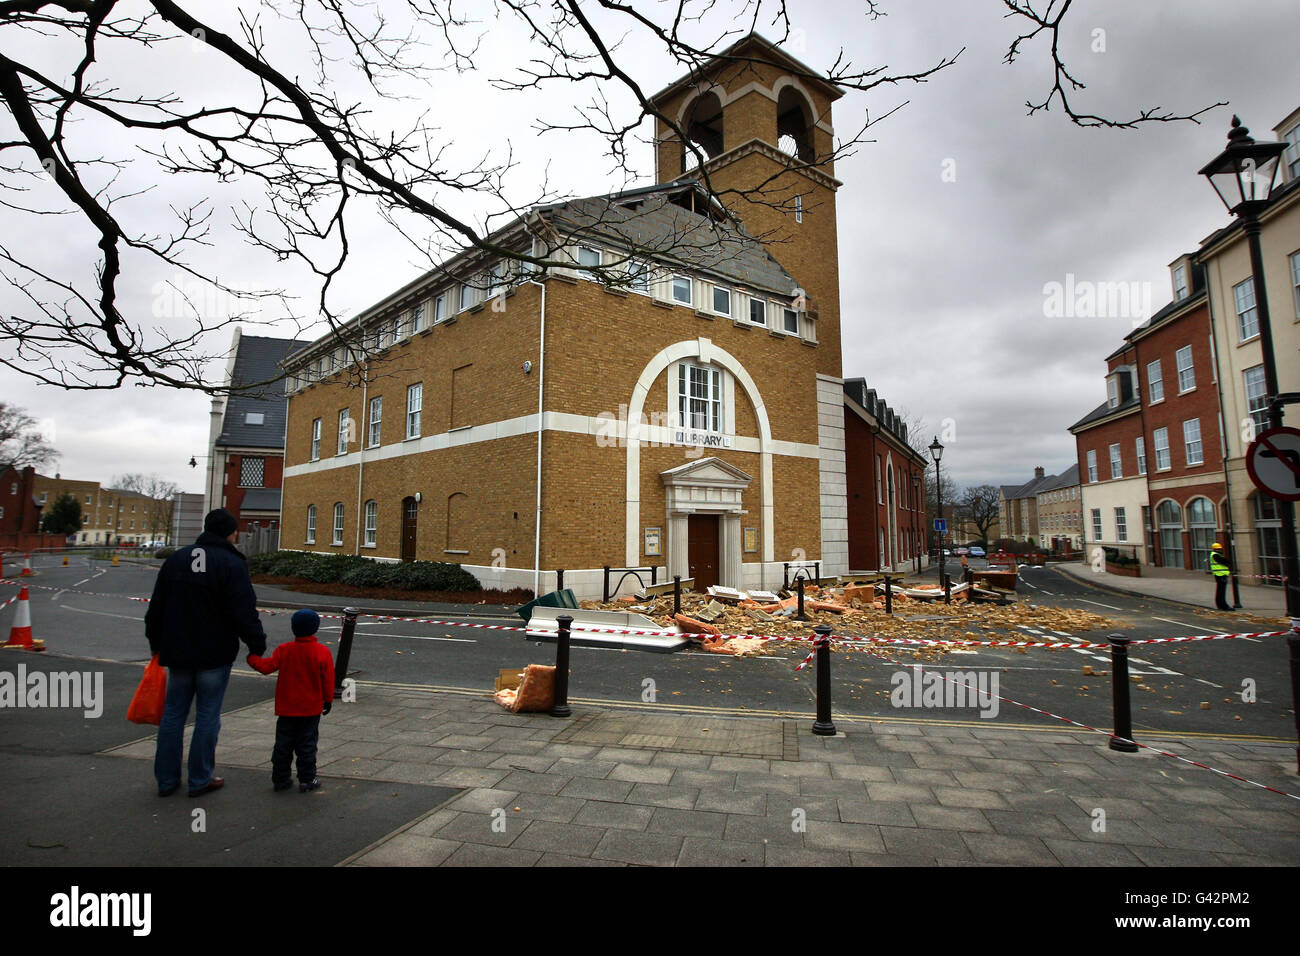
(1273, 461)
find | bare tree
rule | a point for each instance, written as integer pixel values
(980, 503)
(310, 154)
(161, 495)
(21, 443)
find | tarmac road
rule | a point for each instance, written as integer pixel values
(1175, 678)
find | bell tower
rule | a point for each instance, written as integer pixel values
(762, 120)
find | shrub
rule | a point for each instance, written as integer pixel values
(364, 572)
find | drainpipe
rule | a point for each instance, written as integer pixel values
(361, 451)
(541, 381)
(1223, 450)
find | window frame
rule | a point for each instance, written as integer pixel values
(1140, 446)
(726, 291)
(370, 526)
(345, 419)
(374, 427)
(761, 305)
(584, 267)
(440, 307)
(1116, 460)
(1156, 384)
(1262, 423)
(1199, 443)
(1162, 432)
(1121, 525)
(315, 439)
(1091, 461)
(311, 524)
(1097, 531)
(1239, 292)
(690, 290)
(339, 517)
(714, 400)
(1189, 369)
(413, 414)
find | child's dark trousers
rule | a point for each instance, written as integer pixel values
(295, 735)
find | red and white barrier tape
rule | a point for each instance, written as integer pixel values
(1164, 753)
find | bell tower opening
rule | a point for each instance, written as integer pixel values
(794, 123)
(703, 126)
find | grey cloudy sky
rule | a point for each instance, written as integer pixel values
(941, 276)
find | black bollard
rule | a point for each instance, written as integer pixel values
(1293, 642)
(654, 574)
(817, 570)
(889, 596)
(785, 576)
(677, 594)
(345, 650)
(1122, 738)
(561, 706)
(947, 589)
(824, 727)
(559, 580)
(605, 599)
(799, 586)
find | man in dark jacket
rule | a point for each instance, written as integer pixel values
(203, 605)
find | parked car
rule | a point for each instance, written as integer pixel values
(963, 551)
(977, 552)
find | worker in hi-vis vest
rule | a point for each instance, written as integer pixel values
(1220, 568)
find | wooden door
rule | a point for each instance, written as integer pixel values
(410, 514)
(702, 550)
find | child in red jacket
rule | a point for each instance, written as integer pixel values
(303, 692)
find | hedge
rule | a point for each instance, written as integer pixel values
(364, 572)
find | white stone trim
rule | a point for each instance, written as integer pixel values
(833, 475)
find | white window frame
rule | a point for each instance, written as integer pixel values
(798, 208)
(1112, 392)
(690, 290)
(1189, 442)
(439, 307)
(1092, 465)
(1096, 524)
(311, 524)
(414, 404)
(1256, 403)
(345, 419)
(1160, 439)
(710, 379)
(1247, 313)
(1141, 445)
(726, 292)
(1116, 461)
(640, 276)
(374, 427)
(1189, 369)
(1294, 259)
(786, 316)
(338, 523)
(371, 533)
(417, 317)
(761, 305)
(315, 439)
(583, 266)
(1155, 383)
(467, 296)
(1180, 283)
(1121, 526)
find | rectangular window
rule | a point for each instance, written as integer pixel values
(251, 473)
(880, 488)
(791, 321)
(1096, 524)
(315, 439)
(376, 419)
(758, 311)
(1180, 283)
(1256, 397)
(417, 317)
(1142, 455)
(1155, 383)
(588, 257)
(721, 300)
(1116, 462)
(1112, 392)
(345, 430)
(338, 524)
(1192, 441)
(638, 273)
(414, 401)
(311, 524)
(1121, 525)
(1295, 281)
(1092, 465)
(682, 290)
(439, 307)
(372, 523)
(699, 398)
(1243, 297)
(1186, 371)
(466, 296)
(1291, 157)
(1161, 436)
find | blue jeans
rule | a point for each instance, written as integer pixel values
(208, 688)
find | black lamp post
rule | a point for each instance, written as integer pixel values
(936, 452)
(1243, 175)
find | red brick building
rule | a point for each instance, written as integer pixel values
(886, 485)
(1150, 459)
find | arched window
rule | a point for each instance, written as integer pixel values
(311, 524)
(703, 126)
(338, 523)
(1200, 525)
(1169, 518)
(794, 125)
(372, 523)
(1268, 534)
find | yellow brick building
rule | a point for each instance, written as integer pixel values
(681, 407)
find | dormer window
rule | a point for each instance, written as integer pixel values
(1112, 392)
(1180, 283)
(1291, 158)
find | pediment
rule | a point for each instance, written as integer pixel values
(706, 471)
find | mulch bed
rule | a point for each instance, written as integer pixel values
(513, 596)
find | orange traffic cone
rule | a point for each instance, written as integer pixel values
(20, 634)
(27, 568)
(114, 559)
(65, 560)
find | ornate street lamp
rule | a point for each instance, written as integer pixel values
(936, 452)
(1244, 175)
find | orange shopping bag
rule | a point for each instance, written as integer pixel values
(147, 704)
